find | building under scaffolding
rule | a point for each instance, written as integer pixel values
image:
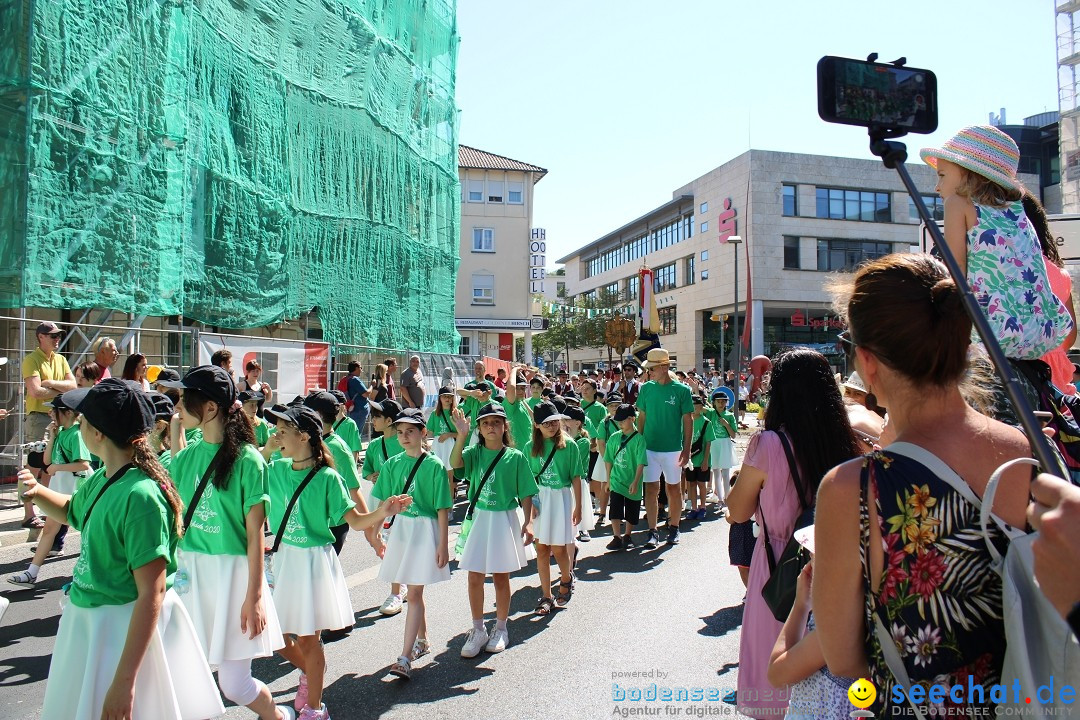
(1068, 55)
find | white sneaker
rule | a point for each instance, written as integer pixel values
(391, 605)
(474, 643)
(498, 642)
(712, 498)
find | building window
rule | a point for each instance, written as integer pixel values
(640, 246)
(705, 226)
(515, 193)
(704, 255)
(611, 290)
(483, 240)
(495, 191)
(791, 253)
(704, 208)
(560, 289)
(664, 278)
(934, 204)
(632, 287)
(704, 275)
(847, 255)
(483, 289)
(463, 348)
(689, 274)
(837, 204)
(476, 191)
(791, 201)
(667, 320)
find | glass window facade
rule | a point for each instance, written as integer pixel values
(667, 320)
(862, 205)
(704, 208)
(791, 200)
(495, 191)
(934, 204)
(846, 255)
(483, 240)
(640, 246)
(483, 289)
(632, 284)
(664, 278)
(464, 348)
(688, 273)
(476, 191)
(515, 192)
(612, 289)
(791, 253)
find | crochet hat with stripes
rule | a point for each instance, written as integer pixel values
(981, 149)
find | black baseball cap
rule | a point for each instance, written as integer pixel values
(447, 391)
(167, 375)
(625, 411)
(296, 401)
(491, 409)
(339, 396)
(575, 413)
(387, 408)
(304, 418)
(120, 411)
(698, 400)
(214, 382)
(537, 381)
(250, 396)
(49, 328)
(163, 405)
(545, 411)
(613, 398)
(412, 416)
(322, 402)
(57, 403)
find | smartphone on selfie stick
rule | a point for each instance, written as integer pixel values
(891, 100)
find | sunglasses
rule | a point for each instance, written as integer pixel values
(847, 342)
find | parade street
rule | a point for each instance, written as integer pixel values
(669, 617)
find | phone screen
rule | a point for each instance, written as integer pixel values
(856, 92)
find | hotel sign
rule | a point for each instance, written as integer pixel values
(537, 260)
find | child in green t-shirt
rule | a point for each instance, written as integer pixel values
(440, 427)
(626, 460)
(574, 428)
(723, 447)
(696, 474)
(603, 430)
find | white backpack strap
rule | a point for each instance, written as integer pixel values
(936, 466)
(988, 504)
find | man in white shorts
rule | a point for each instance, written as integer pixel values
(665, 418)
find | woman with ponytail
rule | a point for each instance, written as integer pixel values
(223, 482)
(307, 499)
(125, 642)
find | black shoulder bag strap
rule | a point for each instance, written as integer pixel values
(337, 425)
(289, 508)
(190, 512)
(408, 484)
(385, 452)
(108, 484)
(798, 486)
(622, 445)
(696, 446)
(547, 462)
(483, 481)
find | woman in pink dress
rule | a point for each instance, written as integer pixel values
(806, 407)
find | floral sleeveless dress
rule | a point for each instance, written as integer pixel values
(939, 598)
(1007, 273)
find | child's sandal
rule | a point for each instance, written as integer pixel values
(544, 606)
(566, 591)
(420, 648)
(402, 668)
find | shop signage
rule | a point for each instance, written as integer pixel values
(494, 323)
(537, 260)
(798, 319)
(726, 224)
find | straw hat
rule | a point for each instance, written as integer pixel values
(656, 356)
(854, 382)
(981, 149)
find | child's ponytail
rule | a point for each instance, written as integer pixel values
(143, 457)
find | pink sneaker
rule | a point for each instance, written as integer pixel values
(301, 694)
(309, 714)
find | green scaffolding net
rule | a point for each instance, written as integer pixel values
(238, 162)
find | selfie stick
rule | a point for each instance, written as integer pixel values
(894, 154)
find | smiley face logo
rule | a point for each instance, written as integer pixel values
(862, 693)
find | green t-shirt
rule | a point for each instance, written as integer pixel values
(605, 429)
(379, 451)
(344, 460)
(521, 422)
(132, 525)
(321, 506)
(562, 469)
(583, 455)
(595, 412)
(345, 428)
(192, 435)
(165, 458)
(218, 526)
(430, 489)
(719, 431)
(69, 446)
(624, 463)
(263, 431)
(698, 458)
(510, 481)
(664, 407)
(471, 406)
(532, 402)
(438, 425)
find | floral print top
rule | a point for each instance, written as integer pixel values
(938, 597)
(1007, 274)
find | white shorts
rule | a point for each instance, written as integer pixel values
(663, 462)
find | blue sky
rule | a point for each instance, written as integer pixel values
(625, 101)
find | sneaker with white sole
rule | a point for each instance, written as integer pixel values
(23, 580)
(300, 702)
(286, 712)
(309, 713)
(498, 642)
(391, 605)
(584, 536)
(474, 643)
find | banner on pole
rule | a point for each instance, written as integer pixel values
(290, 367)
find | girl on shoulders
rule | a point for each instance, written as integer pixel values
(499, 480)
(418, 549)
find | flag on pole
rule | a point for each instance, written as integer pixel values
(647, 317)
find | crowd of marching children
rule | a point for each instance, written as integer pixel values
(175, 575)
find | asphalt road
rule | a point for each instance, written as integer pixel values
(669, 616)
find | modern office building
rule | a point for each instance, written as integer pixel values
(1038, 139)
(494, 304)
(801, 218)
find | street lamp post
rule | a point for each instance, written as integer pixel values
(735, 241)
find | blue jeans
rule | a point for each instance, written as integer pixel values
(360, 416)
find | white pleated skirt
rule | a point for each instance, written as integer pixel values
(588, 519)
(410, 553)
(442, 448)
(722, 453)
(599, 471)
(554, 527)
(64, 482)
(173, 683)
(217, 590)
(310, 591)
(494, 544)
